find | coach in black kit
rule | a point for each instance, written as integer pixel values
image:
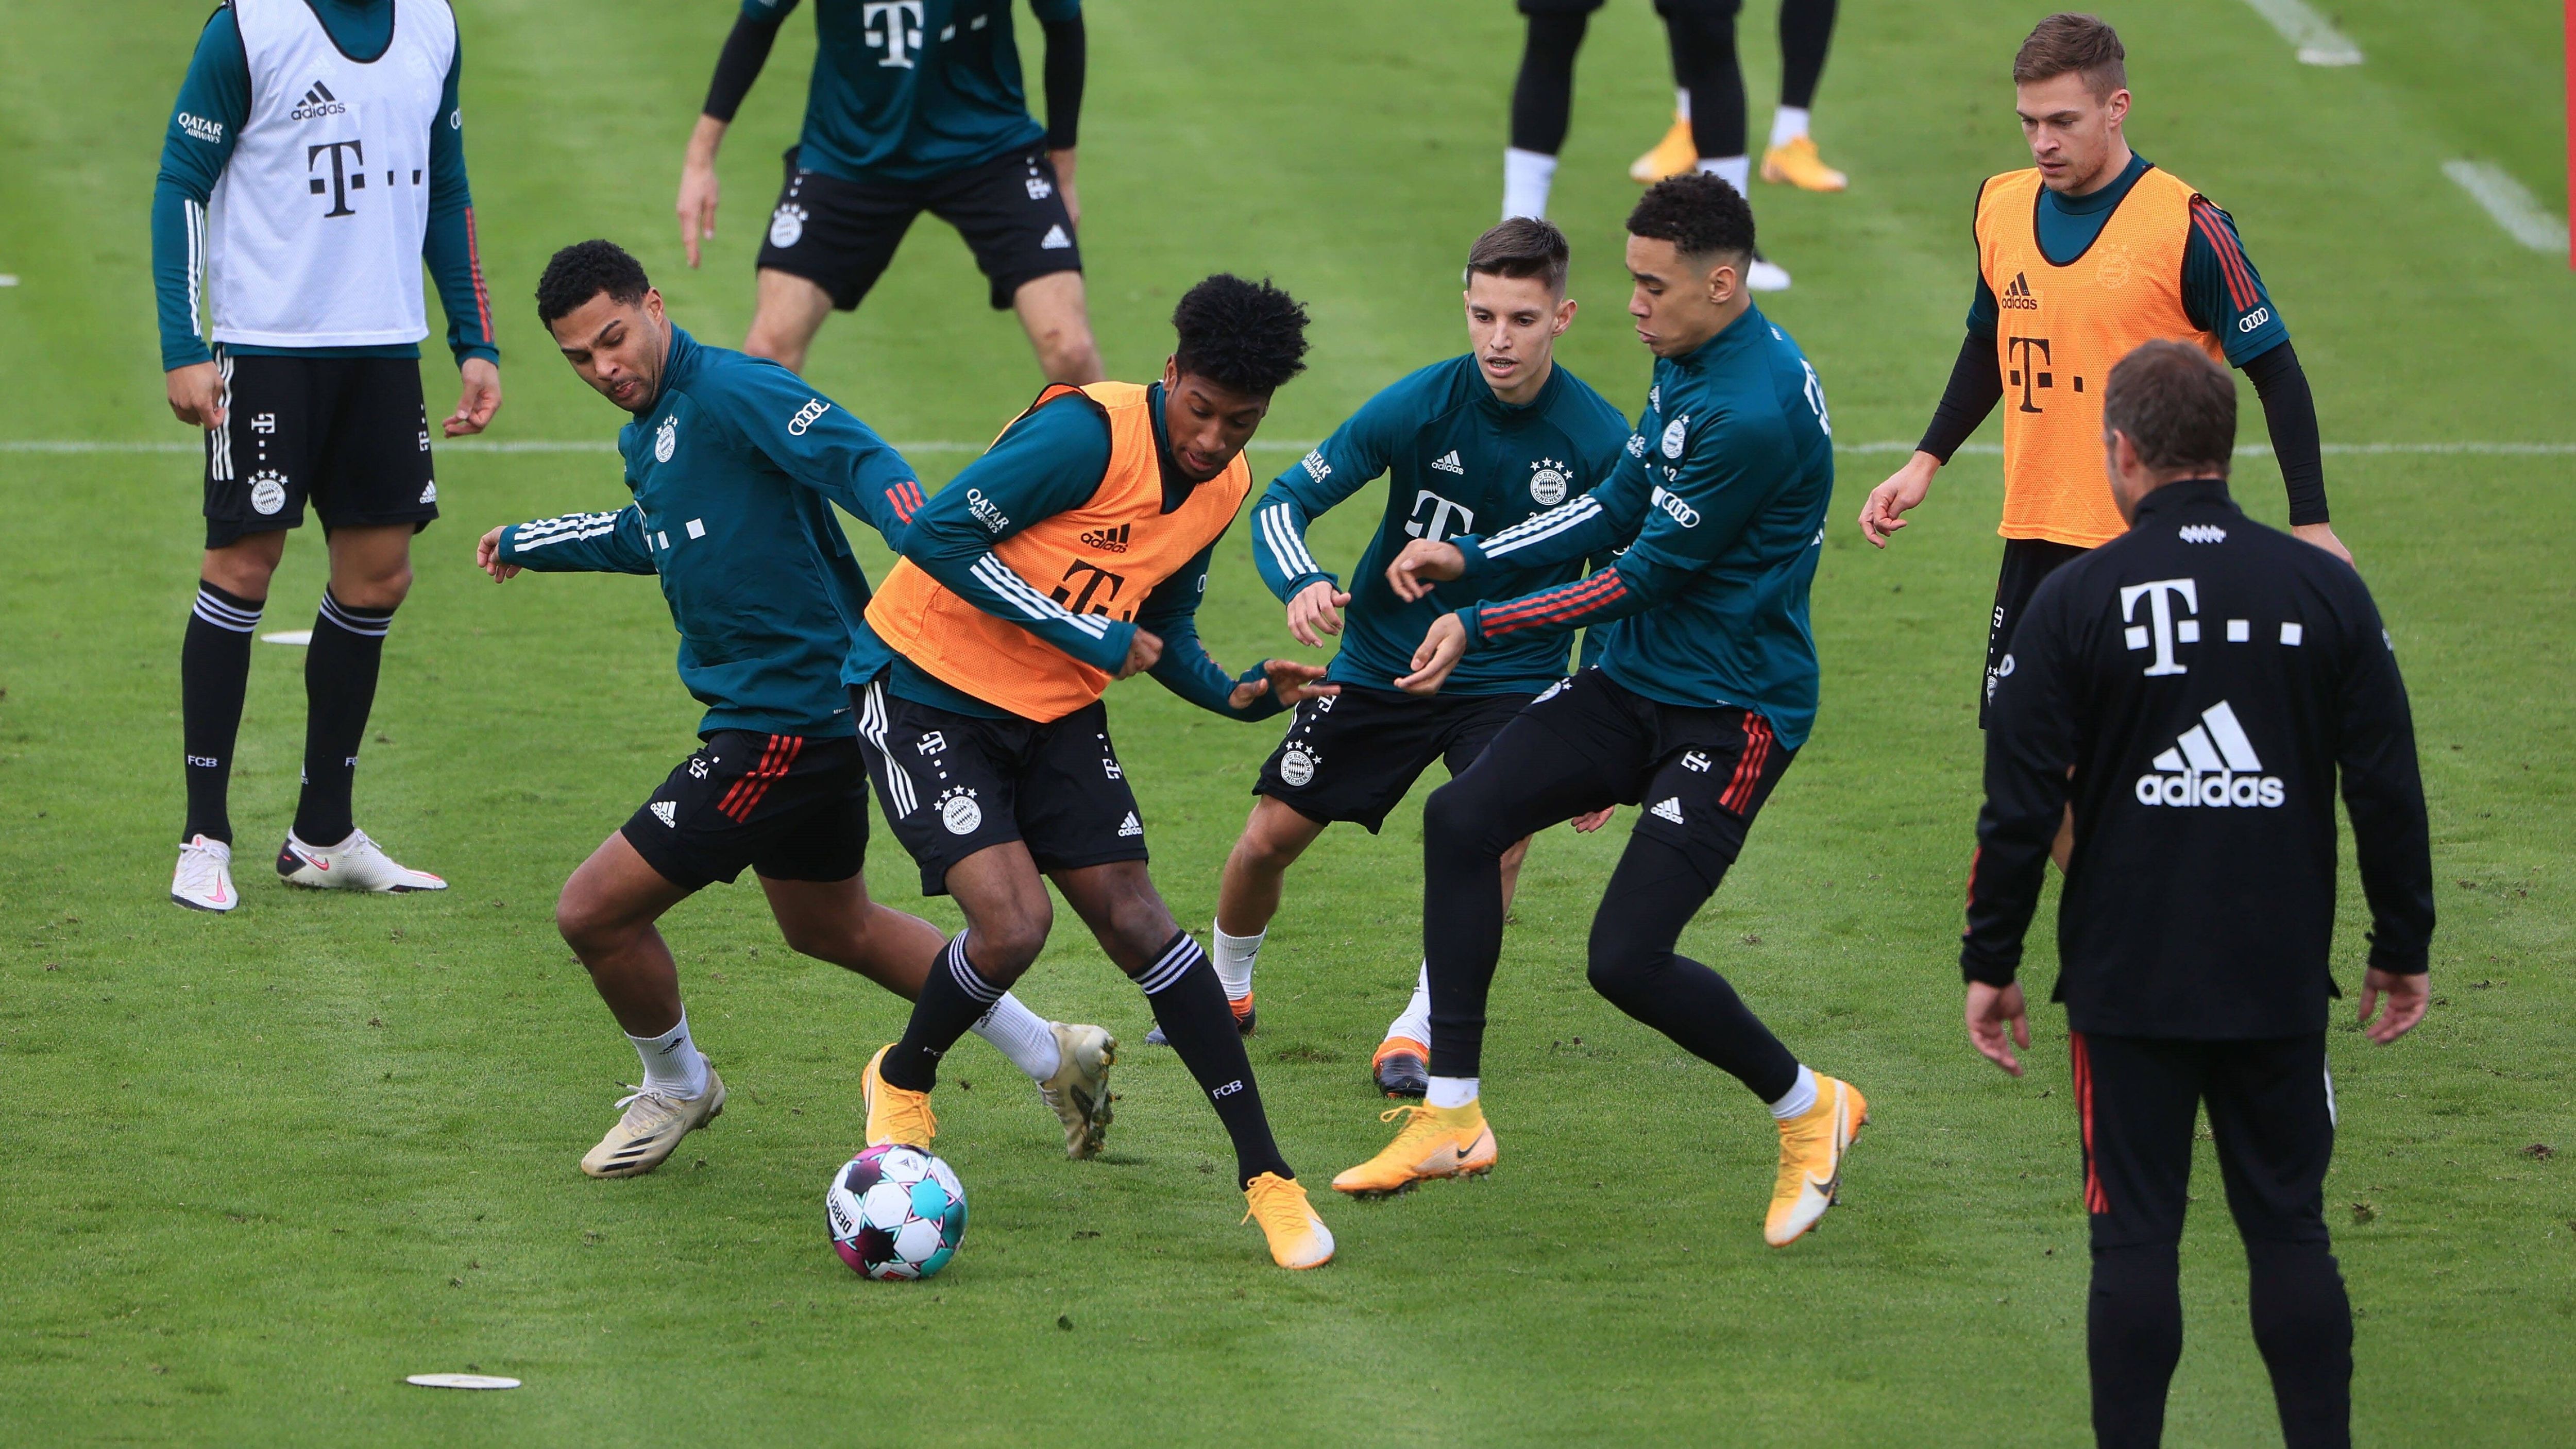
(2197, 686)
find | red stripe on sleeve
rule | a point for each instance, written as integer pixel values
(474, 264)
(2231, 255)
(1556, 606)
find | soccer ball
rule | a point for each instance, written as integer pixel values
(895, 1212)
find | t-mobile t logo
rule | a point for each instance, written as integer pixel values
(2162, 628)
(901, 35)
(1447, 520)
(343, 180)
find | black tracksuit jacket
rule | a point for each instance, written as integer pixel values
(2207, 679)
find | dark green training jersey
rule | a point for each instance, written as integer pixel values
(1458, 460)
(905, 91)
(731, 467)
(1720, 503)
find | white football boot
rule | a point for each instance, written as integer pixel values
(1079, 1090)
(204, 880)
(355, 864)
(652, 1128)
(1766, 275)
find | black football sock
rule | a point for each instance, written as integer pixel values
(214, 671)
(2133, 1339)
(1189, 1005)
(339, 691)
(1806, 31)
(2303, 1326)
(1652, 895)
(953, 998)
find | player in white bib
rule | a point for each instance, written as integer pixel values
(315, 160)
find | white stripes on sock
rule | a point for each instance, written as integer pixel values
(340, 615)
(962, 971)
(222, 615)
(1175, 963)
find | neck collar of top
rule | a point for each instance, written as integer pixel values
(2185, 493)
(679, 357)
(1538, 402)
(2101, 198)
(1734, 334)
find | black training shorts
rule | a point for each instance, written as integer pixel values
(1701, 773)
(840, 235)
(348, 433)
(953, 784)
(2027, 561)
(2271, 1117)
(791, 807)
(1353, 755)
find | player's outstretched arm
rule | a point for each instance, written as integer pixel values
(823, 446)
(599, 543)
(1169, 616)
(746, 50)
(1976, 385)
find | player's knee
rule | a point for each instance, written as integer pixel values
(1003, 943)
(1620, 969)
(584, 922)
(1460, 818)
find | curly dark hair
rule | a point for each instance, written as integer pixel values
(584, 270)
(1699, 213)
(1246, 337)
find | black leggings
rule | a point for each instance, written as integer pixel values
(1701, 36)
(1527, 779)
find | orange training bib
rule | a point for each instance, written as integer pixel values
(1102, 558)
(2060, 330)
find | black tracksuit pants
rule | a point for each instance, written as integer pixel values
(2271, 1113)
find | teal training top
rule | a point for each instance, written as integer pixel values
(1458, 460)
(205, 124)
(910, 91)
(735, 467)
(1720, 501)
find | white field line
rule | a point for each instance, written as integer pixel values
(1893, 445)
(2511, 204)
(2313, 35)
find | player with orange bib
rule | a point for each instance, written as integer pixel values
(1074, 553)
(2080, 259)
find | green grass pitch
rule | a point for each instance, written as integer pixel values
(254, 1170)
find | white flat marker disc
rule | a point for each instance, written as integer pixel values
(288, 636)
(462, 1381)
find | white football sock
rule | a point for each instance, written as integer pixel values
(1234, 956)
(1738, 170)
(1023, 1036)
(672, 1066)
(1787, 124)
(1681, 102)
(1801, 1098)
(1527, 176)
(1414, 1022)
(1451, 1091)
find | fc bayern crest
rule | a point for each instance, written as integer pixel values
(1673, 438)
(787, 226)
(666, 439)
(267, 491)
(1547, 484)
(1296, 768)
(960, 814)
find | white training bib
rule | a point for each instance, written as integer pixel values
(314, 231)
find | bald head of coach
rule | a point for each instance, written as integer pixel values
(2199, 691)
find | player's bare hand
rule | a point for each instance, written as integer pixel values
(1422, 564)
(1439, 653)
(2406, 995)
(2323, 536)
(1144, 650)
(487, 557)
(1294, 683)
(1593, 820)
(1315, 612)
(197, 394)
(478, 401)
(1064, 184)
(1995, 1013)
(1883, 512)
(699, 188)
